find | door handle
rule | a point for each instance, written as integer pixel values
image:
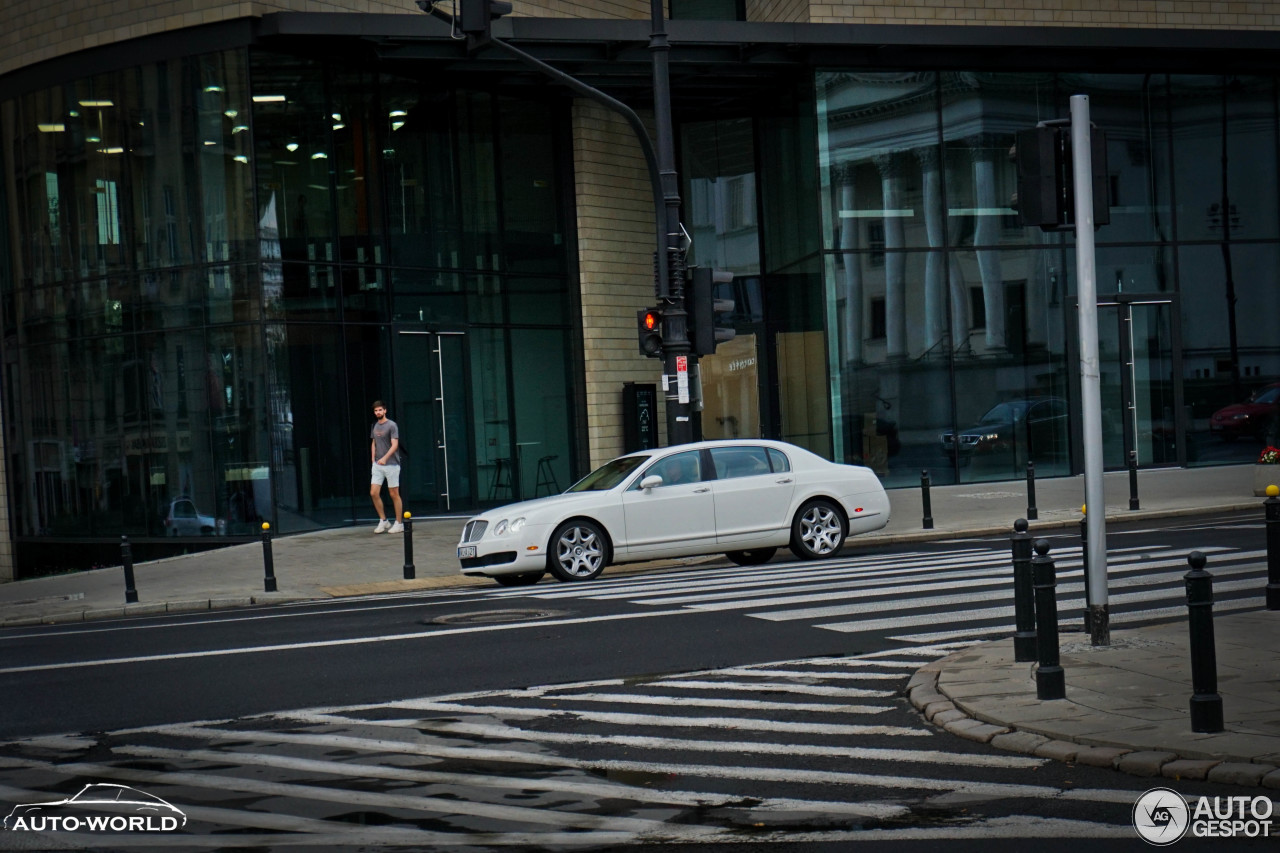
(784, 480)
(700, 491)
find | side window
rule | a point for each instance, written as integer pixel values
(778, 460)
(733, 462)
(680, 468)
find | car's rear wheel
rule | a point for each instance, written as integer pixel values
(754, 557)
(819, 530)
(578, 551)
(523, 579)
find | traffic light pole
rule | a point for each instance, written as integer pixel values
(677, 353)
(1090, 377)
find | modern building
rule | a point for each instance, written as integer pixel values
(228, 227)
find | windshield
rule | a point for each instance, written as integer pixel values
(1268, 396)
(1004, 413)
(608, 475)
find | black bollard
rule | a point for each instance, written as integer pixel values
(927, 521)
(1050, 680)
(1133, 479)
(269, 582)
(409, 570)
(1206, 704)
(1272, 504)
(1084, 562)
(126, 554)
(1032, 512)
(1024, 605)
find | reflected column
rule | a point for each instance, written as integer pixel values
(891, 168)
(849, 243)
(935, 294)
(986, 234)
(1038, 275)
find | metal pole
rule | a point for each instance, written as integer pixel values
(1206, 704)
(409, 571)
(1084, 558)
(1272, 504)
(1024, 605)
(675, 331)
(1050, 679)
(1032, 512)
(126, 554)
(1090, 376)
(1133, 479)
(927, 521)
(268, 563)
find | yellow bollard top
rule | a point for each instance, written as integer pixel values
(1273, 491)
(266, 526)
(1084, 509)
(408, 514)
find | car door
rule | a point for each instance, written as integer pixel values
(677, 517)
(751, 499)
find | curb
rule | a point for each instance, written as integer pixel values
(936, 707)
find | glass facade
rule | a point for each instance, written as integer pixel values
(952, 330)
(226, 258)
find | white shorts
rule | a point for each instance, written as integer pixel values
(390, 473)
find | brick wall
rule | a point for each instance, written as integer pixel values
(615, 254)
(778, 11)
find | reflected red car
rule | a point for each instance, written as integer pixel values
(1249, 419)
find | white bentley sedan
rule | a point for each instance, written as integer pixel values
(743, 498)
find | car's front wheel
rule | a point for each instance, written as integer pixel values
(578, 551)
(819, 530)
(522, 579)
(754, 557)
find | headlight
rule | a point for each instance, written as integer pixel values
(1239, 417)
(517, 524)
(500, 529)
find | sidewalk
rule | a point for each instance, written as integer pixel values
(1126, 704)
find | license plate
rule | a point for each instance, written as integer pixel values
(466, 552)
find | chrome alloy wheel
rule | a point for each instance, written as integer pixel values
(821, 529)
(579, 553)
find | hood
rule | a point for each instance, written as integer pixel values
(529, 507)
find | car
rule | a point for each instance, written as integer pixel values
(1034, 428)
(184, 519)
(740, 497)
(95, 799)
(1251, 418)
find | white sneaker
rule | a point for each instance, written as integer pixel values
(396, 528)
(383, 526)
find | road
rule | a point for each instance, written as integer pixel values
(715, 704)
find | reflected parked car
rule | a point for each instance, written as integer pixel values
(1033, 428)
(185, 520)
(1251, 418)
(743, 498)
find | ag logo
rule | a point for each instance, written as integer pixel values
(1161, 816)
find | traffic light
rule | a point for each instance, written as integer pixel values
(702, 306)
(649, 332)
(475, 16)
(1045, 194)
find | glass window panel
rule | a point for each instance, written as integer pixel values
(219, 107)
(355, 120)
(419, 171)
(477, 182)
(309, 291)
(427, 297)
(1224, 153)
(532, 234)
(537, 301)
(543, 403)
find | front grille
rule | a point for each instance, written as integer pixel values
(489, 560)
(474, 530)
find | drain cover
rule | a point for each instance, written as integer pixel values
(488, 617)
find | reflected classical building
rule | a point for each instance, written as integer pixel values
(223, 239)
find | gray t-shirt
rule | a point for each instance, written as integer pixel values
(382, 433)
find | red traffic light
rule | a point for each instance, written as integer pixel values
(651, 321)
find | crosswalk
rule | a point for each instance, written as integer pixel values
(818, 749)
(823, 749)
(968, 590)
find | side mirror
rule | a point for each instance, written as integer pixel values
(651, 482)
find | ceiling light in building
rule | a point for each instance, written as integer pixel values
(397, 113)
(240, 158)
(336, 116)
(93, 139)
(112, 150)
(319, 155)
(286, 162)
(214, 87)
(292, 146)
(74, 114)
(231, 113)
(210, 142)
(240, 128)
(269, 99)
(51, 128)
(396, 125)
(99, 103)
(339, 126)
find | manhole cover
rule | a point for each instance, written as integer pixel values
(488, 617)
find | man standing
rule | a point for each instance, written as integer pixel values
(384, 449)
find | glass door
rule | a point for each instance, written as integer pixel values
(434, 406)
(1137, 353)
